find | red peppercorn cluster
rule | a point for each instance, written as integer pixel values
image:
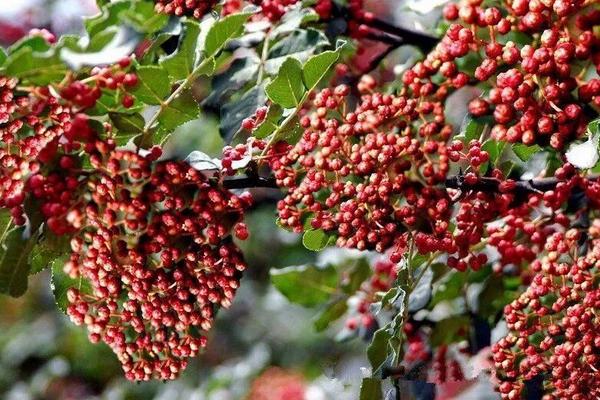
(37, 129)
(538, 89)
(379, 171)
(554, 325)
(237, 157)
(355, 176)
(274, 10)
(194, 8)
(154, 243)
(42, 131)
(115, 78)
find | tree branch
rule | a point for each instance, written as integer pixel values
(492, 185)
(421, 40)
(249, 182)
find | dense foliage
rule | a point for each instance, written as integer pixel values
(462, 227)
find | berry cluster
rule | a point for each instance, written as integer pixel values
(538, 89)
(114, 78)
(194, 8)
(272, 10)
(154, 243)
(368, 175)
(152, 239)
(42, 129)
(554, 326)
(37, 130)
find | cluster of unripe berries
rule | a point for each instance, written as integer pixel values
(555, 325)
(154, 242)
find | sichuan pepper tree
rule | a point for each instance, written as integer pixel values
(494, 218)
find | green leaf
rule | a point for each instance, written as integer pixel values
(270, 124)
(469, 63)
(110, 103)
(108, 17)
(207, 68)
(3, 56)
(593, 126)
(422, 293)
(14, 261)
(98, 42)
(153, 86)
(370, 389)
(172, 29)
(294, 19)
(450, 330)
(450, 288)
(473, 128)
(5, 223)
(48, 248)
(317, 67)
(127, 126)
(61, 283)
(301, 44)
(377, 351)
(497, 292)
(307, 285)
(234, 112)
(143, 18)
(105, 48)
(517, 37)
(35, 67)
(332, 312)
(287, 89)
(36, 43)
(525, 152)
(358, 274)
(239, 74)
(183, 109)
(394, 297)
(222, 31)
(181, 63)
(495, 150)
(316, 239)
(290, 132)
